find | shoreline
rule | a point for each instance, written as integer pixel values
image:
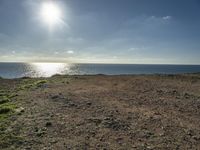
(144, 74)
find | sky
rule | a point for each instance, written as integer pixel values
(101, 31)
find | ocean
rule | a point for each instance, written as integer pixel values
(17, 70)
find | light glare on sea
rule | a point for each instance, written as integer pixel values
(49, 69)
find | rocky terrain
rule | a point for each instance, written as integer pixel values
(100, 112)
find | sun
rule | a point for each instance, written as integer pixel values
(50, 13)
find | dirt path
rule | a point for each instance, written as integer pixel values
(104, 112)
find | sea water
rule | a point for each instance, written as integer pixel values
(16, 70)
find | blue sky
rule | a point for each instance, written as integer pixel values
(102, 31)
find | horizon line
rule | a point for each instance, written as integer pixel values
(98, 63)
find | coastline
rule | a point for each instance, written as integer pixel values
(101, 111)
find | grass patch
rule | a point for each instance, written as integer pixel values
(3, 93)
(4, 97)
(8, 105)
(8, 139)
(2, 101)
(12, 95)
(28, 85)
(6, 110)
(40, 83)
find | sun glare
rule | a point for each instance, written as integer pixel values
(49, 69)
(51, 13)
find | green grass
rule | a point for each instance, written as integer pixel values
(3, 93)
(7, 110)
(3, 100)
(7, 140)
(4, 110)
(28, 84)
(40, 83)
(6, 106)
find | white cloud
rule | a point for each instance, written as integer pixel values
(166, 17)
(156, 18)
(134, 49)
(70, 52)
(13, 52)
(56, 53)
(152, 17)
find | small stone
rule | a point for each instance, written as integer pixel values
(89, 103)
(55, 97)
(48, 124)
(19, 110)
(197, 138)
(186, 95)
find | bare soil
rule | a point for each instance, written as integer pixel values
(103, 112)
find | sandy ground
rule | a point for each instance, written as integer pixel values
(103, 112)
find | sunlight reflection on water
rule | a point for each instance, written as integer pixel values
(47, 69)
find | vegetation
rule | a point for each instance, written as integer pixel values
(7, 110)
(30, 84)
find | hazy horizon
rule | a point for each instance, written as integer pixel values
(100, 31)
(106, 63)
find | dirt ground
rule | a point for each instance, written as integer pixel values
(140, 112)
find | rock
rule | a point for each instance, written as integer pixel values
(149, 147)
(175, 92)
(19, 110)
(119, 140)
(48, 124)
(142, 134)
(55, 97)
(89, 103)
(97, 121)
(190, 132)
(186, 95)
(70, 104)
(115, 124)
(160, 91)
(53, 141)
(40, 133)
(196, 137)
